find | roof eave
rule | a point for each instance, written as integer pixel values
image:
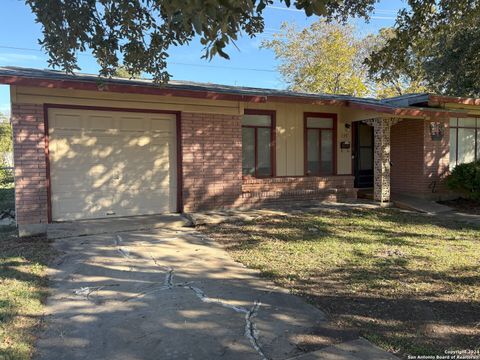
(399, 112)
(438, 100)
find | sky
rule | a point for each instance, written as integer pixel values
(249, 65)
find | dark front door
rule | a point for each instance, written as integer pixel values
(363, 155)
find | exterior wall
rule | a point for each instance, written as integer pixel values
(289, 132)
(436, 155)
(37, 95)
(212, 160)
(290, 136)
(257, 192)
(30, 167)
(212, 170)
(419, 164)
(211, 151)
(406, 140)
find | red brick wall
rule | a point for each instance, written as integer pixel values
(436, 160)
(406, 140)
(212, 160)
(212, 170)
(288, 189)
(417, 160)
(30, 164)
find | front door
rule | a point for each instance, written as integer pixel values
(363, 155)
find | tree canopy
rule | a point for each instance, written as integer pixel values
(323, 58)
(328, 57)
(139, 33)
(435, 42)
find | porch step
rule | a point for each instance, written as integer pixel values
(365, 194)
(359, 349)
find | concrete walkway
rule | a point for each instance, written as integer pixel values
(170, 293)
(413, 203)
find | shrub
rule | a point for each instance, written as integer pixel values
(465, 178)
(6, 176)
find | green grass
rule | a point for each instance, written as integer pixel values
(408, 282)
(23, 288)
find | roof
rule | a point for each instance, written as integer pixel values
(52, 78)
(173, 84)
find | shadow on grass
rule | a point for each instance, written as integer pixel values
(385, 284)
(23, 290)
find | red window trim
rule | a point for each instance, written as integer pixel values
(334, 117)
(273, 136)
(477, 139)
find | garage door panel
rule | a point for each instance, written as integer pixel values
(111, 163)
(92, 206)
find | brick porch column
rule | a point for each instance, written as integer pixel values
(381, 167)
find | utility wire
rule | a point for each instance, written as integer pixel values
(170, 62)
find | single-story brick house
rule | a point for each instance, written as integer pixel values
(86, 147)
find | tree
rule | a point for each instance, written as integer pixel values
(323, 58)
(6, 151)
(122, 72)
(437, 41)
(389, 81)
(142, 31)
(329, 58)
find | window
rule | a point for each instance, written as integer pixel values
(258, 139)
(464, 140)
(320, 137)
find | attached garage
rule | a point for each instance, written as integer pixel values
(109, 163)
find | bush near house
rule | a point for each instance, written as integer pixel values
(465, 178)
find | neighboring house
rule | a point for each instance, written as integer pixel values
(87, 147)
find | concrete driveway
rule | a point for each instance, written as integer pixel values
(168, 293)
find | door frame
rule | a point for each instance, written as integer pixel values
(178, 135)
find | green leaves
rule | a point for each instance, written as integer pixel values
(323, 58)
(139, 33)
(436, 42)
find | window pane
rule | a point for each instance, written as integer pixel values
(365, 135)
(263, 152)
(319, 123)
(366, 158)
(466, 145)
(248, 151)
(327, 151)
(468, 122)
(453, 122)
(453, 148)
(313, 152)
(257, 120)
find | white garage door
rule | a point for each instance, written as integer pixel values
(109, 163)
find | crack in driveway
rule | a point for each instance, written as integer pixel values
(250, 330)
(210, 312)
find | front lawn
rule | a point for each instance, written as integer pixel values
(23, 287)
(408, 282)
